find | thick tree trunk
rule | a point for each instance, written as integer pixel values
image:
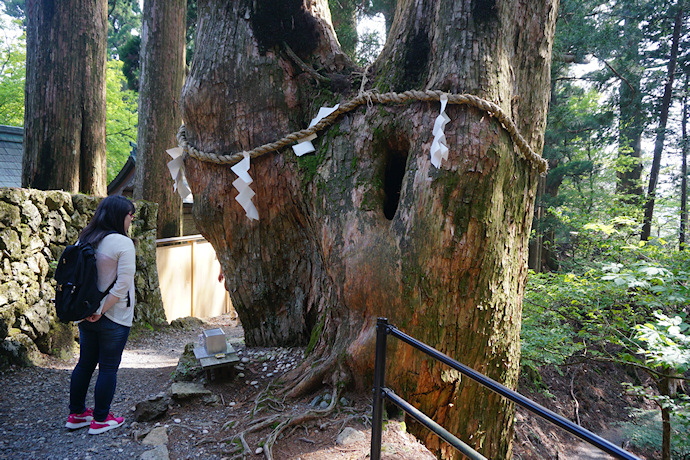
(64, 122)
(162, 75)
(366, 226)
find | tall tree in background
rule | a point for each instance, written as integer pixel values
(344, 17)
(578, 125)
(124, 17)
(64, 135)
(663, 118)
(628, 70)
(162, 74)
(684, 167)
(366, 226)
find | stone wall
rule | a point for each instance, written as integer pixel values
(35, 227)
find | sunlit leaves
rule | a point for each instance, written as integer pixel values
(121, 123)
(664, 342)
(12, 75)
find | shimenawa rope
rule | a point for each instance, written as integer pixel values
(381, 98)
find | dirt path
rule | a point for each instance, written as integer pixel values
(33, 403)
(33, 410)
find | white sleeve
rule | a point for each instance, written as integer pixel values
(126, 267)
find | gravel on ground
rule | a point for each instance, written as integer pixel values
(34, 400)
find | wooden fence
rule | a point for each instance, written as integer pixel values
(188, 276)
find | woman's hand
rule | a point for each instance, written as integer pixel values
(93, 318)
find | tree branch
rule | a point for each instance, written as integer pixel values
(617, 74)
(302, 65)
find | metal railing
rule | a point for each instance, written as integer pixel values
(383, 329)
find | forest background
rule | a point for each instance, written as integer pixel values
(610, 279)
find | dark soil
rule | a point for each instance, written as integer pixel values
(589, 394)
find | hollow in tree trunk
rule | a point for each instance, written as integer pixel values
(366, 226)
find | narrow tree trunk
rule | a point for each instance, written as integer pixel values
(162, 75)
(667, 387)
(661, 130)
(64, 122)
(536, 245)
(366, 226)
(684, 169)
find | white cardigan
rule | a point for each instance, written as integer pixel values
(116, 260)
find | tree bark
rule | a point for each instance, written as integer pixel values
(366, 226)
(661, 130)
(64, 122)
(684, 169)
(162, 74)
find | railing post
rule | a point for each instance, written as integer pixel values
(379, 383)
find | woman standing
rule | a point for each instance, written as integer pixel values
(103, 335)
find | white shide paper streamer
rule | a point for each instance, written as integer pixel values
(439, 147)
(176, 168)
(245, 195)
(304, 145)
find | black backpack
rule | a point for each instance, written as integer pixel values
(76, 294)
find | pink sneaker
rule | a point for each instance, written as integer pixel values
(108, 424)
(75, 421)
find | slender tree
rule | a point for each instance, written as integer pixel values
(367, 226)
(663, 118)
(684, 168)
(162, 74)
(64, 123)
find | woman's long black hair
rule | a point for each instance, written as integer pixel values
(108, 218)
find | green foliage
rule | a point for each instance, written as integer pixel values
(617, 284)
(12, 76)
(546, 337)
(665, 343)
(645, 429)
(129, 55)
(568, 315)
(369, 46)
(124, 17)
(14, 8)
(190, 33)
(121, 124)
(372, 8)
(579, 182)
(344, 17)
(362, 46)
(624, 301)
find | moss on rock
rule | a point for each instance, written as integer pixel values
(35, 227)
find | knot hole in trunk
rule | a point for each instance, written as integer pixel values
(396, 153)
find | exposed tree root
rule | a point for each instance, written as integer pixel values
(311, 374)
(311, 377)
(279, 422)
